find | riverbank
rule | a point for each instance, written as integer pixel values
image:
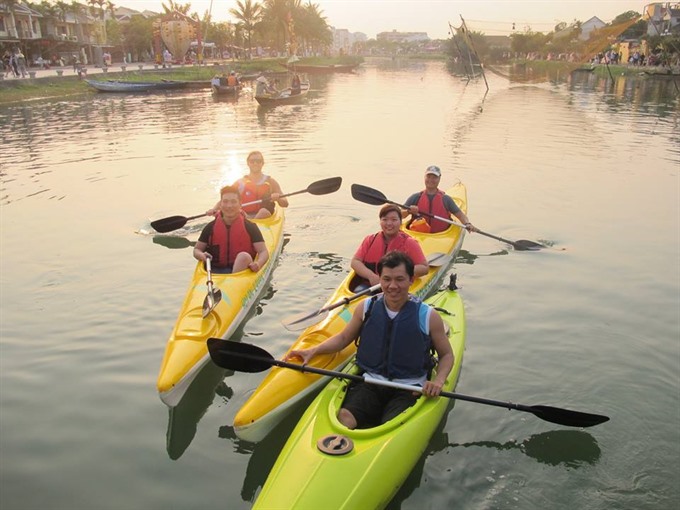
(61, 82)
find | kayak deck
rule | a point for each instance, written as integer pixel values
(186, 352)
(380, 458)
(281, 388)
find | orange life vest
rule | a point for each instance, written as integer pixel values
(379, 247)
(436, 207)
(250, 191)
(230, 240)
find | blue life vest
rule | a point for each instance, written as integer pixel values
(396, 348)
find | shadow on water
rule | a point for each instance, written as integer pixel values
(183, 419)
(571, 448)
(173, 242)
(263, 455)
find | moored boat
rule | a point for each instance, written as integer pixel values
(132, 86)
(186, 352)
(281, 388)
(190, 84)
(326, 465)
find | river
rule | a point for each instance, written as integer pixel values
(593, 324)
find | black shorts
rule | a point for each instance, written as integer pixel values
(372, 404)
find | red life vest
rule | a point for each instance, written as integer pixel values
(379, 247)
(229, 241)
(436, 207)
(251, 191)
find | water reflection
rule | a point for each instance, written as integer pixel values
(573, 448)
(173, 242)
(183, 419)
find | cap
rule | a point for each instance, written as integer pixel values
(434, 170)
(233, 72)
(262, 79)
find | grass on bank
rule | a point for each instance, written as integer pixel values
(18, 91)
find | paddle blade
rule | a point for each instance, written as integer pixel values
(169, 224)
(438, 259)
(304, 320)
(210, 302)
(368, 195)
(526, 245)
(239, 356)
(567, 417)
(325, 186)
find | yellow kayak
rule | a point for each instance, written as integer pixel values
(186, 352)
(282, 388)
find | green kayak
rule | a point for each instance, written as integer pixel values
(325, 465)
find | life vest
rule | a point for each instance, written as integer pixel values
(379, 247)
(227, 241)
(251, 191)
(436, 207)
(395, 348)
(231, 81)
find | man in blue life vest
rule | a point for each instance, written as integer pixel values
(397, 333)
(233, 242)
(433, 201)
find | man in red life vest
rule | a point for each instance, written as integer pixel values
(232, 242)
(433, 201)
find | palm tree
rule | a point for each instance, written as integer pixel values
(248, 13)
(276, 14)
(173, 6)
(312, 28)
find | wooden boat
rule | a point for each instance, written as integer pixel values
(132, 86)
(186, 352)
(321, 69)
(662, 75)
(282, 388)
(326, 465)
(225, 90)
(190, 84)
(284, 96)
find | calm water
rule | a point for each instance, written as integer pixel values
(88, 299)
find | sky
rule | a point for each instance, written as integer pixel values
(493, 17)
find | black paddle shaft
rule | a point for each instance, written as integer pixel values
(374, 197)
(250, 358)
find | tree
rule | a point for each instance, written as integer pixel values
(625, 16)
(248, 13)
(137, 36)
(173, 6)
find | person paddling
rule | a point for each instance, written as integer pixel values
(433, 201)
(257, 186)
(232, 241)
(395, 334)
(389, 238)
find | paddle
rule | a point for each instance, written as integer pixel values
(214, 296)
(322, 187)
(374, 197)
(306, 319)
(250, 358)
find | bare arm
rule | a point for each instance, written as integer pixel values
(444, 352)
(419, 270)
(276, 193)
(465, 221)
(361, 269)
(199, 251)
(335, 343)
(262, 256)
